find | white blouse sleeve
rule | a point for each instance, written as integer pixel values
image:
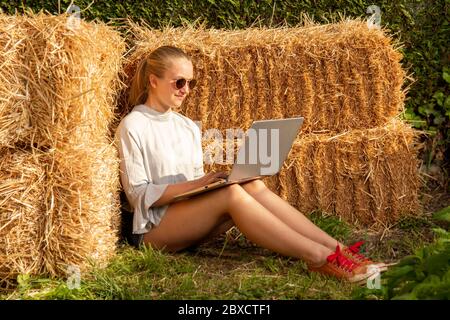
(136, 182)
(198, 167)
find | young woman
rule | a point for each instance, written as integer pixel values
(161, 156)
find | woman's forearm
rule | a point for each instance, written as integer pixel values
(175, 189)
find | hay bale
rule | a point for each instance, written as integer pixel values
(369, 177)
(22, 219)
(338, 76)
(14, 116)
(58, 209)
(82, 207)
(69, 86)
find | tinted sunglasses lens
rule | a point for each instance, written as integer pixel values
(180, 83)
(192, 84)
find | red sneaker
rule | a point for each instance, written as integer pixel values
(352, 252)
(342, 267)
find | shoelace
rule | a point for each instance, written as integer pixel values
(342, 261)
(354, 251)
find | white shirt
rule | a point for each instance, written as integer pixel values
(156, 149)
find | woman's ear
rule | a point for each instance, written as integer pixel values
(152, 80)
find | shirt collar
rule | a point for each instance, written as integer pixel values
(152, 113)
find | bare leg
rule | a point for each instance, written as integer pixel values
(288, 214)
(186, 222)
(224, 227)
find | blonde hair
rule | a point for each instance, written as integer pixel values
(155, 63)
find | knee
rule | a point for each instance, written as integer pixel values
(235, 193)
(254, 186)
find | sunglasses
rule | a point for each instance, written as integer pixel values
(180, 83)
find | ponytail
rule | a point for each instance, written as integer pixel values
(139, 85)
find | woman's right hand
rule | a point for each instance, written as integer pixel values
(211, 177)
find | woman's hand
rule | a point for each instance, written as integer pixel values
(211, 177)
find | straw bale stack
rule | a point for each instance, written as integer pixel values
(353, 158)
(60, 84)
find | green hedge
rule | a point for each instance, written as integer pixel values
(421, 25)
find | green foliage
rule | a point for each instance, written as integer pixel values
(332, 225)
(425, 37)
(423, 275)
(443, 214)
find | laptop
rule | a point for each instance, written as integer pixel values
(265, 148)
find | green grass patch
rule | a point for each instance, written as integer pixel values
(230, 267)
(150, 274)
(332, 225)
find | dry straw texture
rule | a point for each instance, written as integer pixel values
(338, 76)
(22, 216)
(59, 84)
(59, 79)
(14, 116)
(367, 177)
(82, 207)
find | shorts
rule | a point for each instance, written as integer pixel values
(136, 240)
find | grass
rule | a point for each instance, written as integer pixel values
(228, 267)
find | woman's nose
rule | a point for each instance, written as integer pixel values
(185, 89)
